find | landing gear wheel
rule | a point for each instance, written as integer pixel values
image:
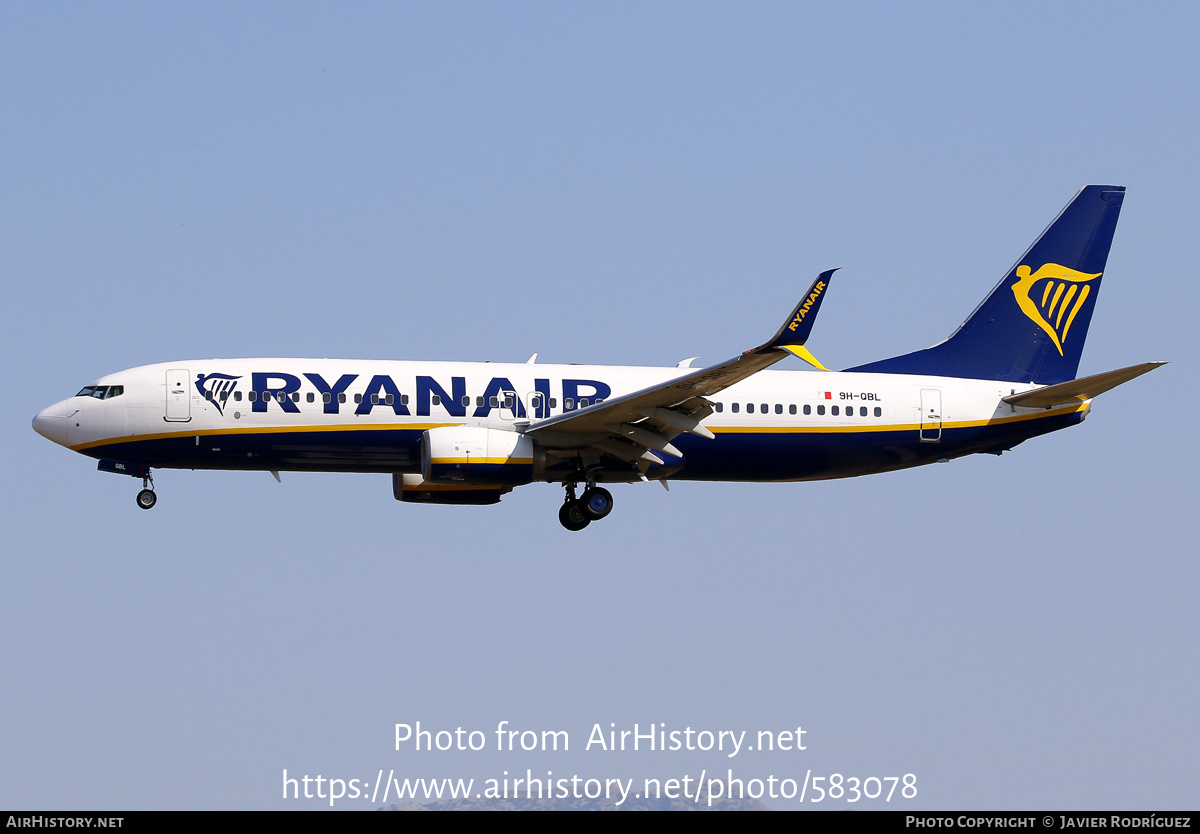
(146, 499)
(597, 502)
(573, 516)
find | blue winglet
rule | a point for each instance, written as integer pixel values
(796, 329)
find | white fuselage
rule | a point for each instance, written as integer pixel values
(368, 415)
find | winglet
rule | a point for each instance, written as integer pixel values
(795, 331)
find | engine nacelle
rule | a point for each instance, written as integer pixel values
(478, 456)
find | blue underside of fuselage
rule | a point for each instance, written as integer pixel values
(733, 456)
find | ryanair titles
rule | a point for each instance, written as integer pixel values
(798, 319)
(278, 390)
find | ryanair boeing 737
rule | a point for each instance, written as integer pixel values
(467, 433)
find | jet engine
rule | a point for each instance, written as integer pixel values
(478, 456)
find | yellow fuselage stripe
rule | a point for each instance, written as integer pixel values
(744, 429)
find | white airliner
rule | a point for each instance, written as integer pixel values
(466, 433)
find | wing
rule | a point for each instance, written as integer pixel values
(634, 427)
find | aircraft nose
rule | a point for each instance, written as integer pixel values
(51, 423)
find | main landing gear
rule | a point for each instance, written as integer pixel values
(146, 499)
(577, 513)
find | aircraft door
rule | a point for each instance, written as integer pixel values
(931, 415)
(179, 398)
(537, 408)
(508, 405)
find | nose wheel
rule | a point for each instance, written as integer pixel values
(146, 499)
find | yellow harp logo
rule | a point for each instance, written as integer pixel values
(1062, 297)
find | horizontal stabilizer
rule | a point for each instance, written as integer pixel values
(1078, 390)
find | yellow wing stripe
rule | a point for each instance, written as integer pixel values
(805, 354)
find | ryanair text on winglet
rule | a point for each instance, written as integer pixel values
(807, 305)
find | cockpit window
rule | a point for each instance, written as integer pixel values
(102, 392)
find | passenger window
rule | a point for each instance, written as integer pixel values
(554, 402)
(878, 411)
(807, 408)
(862, 411)
(583, 402)
(718, 407)
(310, 397)
(479, 402)
(765, 410)
(237, 396)
(833, 410)
(493, 402)
(778, 408)
(821, 409)
(208, 395)
(436, 399)
(358, 398)
(749, 408)
(389, 399)
(734, 407)
(791, 409)
(252, 396)
(328, 397)
(295, 396)
(466, 401)
(404, 399)
(342, 398)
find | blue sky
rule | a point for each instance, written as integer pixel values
(600, 183)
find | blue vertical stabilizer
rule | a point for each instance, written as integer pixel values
(1032, 326)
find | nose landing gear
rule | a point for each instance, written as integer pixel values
(146, 499)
